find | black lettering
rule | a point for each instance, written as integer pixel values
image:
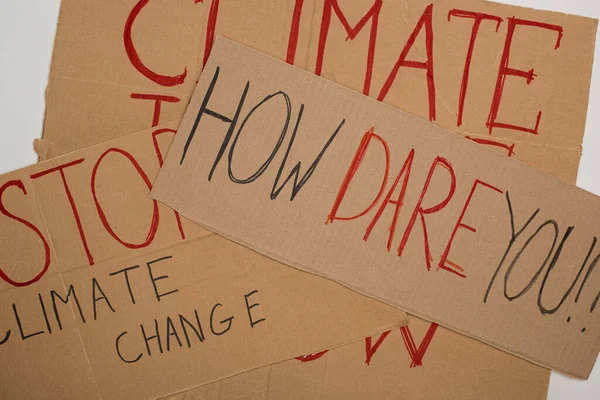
(121, 354)
(267, 162)
(542, 308)
(228, 320)
(229, 133)
(23, 335)
(171, 331)
(295, 172)
(591, 269)
(154, 280)
(6, 337)
(205, 110)
(197, 329)
(125, 272)
(539, 271)
(156, 336)
(513, 238)
(70, 293)
(95, 298)
(250, 307)
(43, 306)
(595, 302)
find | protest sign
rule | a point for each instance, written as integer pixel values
(511, 78)
(97, 90)
(420, 361)
(389, 205)
(105, 293)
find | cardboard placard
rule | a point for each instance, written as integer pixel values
(417, 366)
(96, 93)
(420, 361)
(387, 204)
(511, 78)
(105, 293)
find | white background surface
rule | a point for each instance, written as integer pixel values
(26, 37)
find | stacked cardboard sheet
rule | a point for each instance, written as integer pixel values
(327, 191)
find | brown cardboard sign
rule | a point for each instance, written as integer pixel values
(414, 360)
(511, 78)
(421, 361)
(108, 294)
(387, 204)
(97, 93)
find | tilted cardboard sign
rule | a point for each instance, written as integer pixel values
(98, 89)
(105, 293)
(87, 104)
(421, 361)
(329, 181)
(511, 78)
(411, 361)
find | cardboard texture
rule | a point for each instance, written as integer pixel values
(387, 204)
(381, 367)
(107, 294)
(514, 79)
(95, 92)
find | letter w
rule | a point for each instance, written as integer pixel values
(295, 173)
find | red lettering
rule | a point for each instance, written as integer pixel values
(158, 99)
(417, 354)
(371, 350)
(420, 211)
(134, 58)
(404, 171)
(4, 211)
(425, 20)
(444, 262)
(157, 150)
(311, 357)
(510, 149)
(354, 165)
(159, 154)
(210, 28)
(294, 32)
(372, 14)
(102, 215)
(505, 71)
(477, 19)
(61, 169)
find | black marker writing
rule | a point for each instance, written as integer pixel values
(295, 172)
(265, 165)
(70, 293)
(156, 337)
(125, 272)
(95, 298)
(23, 335)
(250, 307)
(154, 280)
(514, 236)
(128, 361)
(226, 320)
